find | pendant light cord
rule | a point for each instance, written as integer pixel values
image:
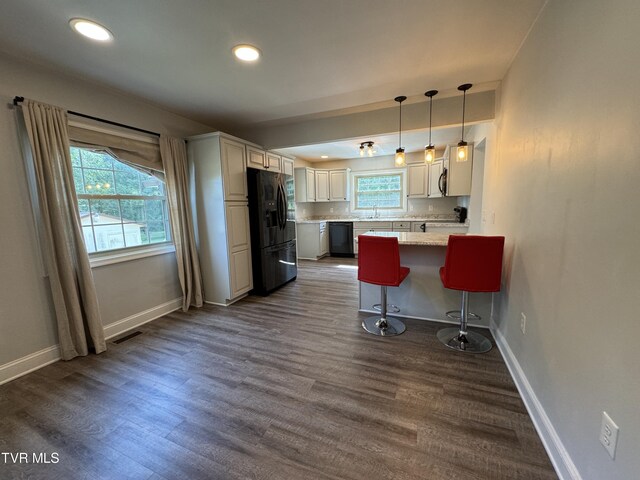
(430, 111)
(464, 101)
(400, 137)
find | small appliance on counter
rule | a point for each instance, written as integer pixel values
(461, 214)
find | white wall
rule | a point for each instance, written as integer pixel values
(564, 186)
(26, 318)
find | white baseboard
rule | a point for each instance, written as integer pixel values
(22, 366)
(560, 458)
(116, 328)
(427, 319)
(34, 361)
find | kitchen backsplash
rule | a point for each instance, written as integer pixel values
(417, 207)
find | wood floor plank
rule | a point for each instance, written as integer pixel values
(287, 386)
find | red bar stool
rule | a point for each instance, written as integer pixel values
(473, 263)
(379, 264)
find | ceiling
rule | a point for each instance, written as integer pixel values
(318, 55)
(412, 141)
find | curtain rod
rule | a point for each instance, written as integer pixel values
(18, 100)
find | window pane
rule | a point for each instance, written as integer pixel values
(98, 182)
(105, 211)
(154, 210)
(132, 210)
(156, 232)
(83, 207)
(75, 157)
(109, 237)
(77, 180)
(133, 234)
(151, 186)
(87, 232)
(127, 182)
(381, 191)
(92, 159)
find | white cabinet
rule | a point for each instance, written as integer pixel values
(322, 186)
(240, 271)
(273, 162)
(256, 158)
(360, 228)
(435, 178)
(218, 190)
(401, 227)
(287, 166)
(237, 217)
(305, 184)
(339, 185)
(313, 240)
(234, 170)
(417, 186)
(458, 173)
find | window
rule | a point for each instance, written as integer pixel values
(120, 206)
(382, 190)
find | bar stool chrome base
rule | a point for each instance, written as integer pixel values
(457, 315)
(469, 342)
(384, 328)
(391, 308)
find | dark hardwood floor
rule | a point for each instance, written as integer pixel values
(283, 387)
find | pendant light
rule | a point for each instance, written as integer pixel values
(462, 154)
(400, 160)
(366, 147)
(430, 149)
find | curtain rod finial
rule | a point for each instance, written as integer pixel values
(17, 100)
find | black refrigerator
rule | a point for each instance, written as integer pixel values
(273, 229)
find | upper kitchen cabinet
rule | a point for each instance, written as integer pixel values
(417, 180)
(256, 158)
(339, 185)
(458, 173)
(273, 162)
(305, 181)
(322, 186)
(234, 170)
(287, 166)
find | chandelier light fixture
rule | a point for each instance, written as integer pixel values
(462, 154)
(366, 147)
(400, 159)
(430, 149)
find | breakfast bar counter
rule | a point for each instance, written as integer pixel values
(422, 294)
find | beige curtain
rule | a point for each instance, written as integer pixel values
(69, 272)
(174, 158)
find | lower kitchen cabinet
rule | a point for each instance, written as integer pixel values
(312, 240)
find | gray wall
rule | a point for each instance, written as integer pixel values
(26, 319)
(564, 186)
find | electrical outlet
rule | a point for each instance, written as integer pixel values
(523, 322)
(609, 434)
(431, 208)
(493, 218)
(346, 209)
(331, 210)
(410, 207)
(304, 211)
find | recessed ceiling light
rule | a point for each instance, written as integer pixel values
(91, 29)
(324, 156)
(246, 53)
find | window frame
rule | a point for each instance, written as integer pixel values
(379, 173)
(123, 254)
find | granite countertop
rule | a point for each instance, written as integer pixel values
(433, 222)
(415, 238)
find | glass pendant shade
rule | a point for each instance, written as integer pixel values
(370, 150)
(429, 153)
(400, 160)
(462, 154)
(362, 150)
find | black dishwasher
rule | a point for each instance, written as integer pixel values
(341, 239)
